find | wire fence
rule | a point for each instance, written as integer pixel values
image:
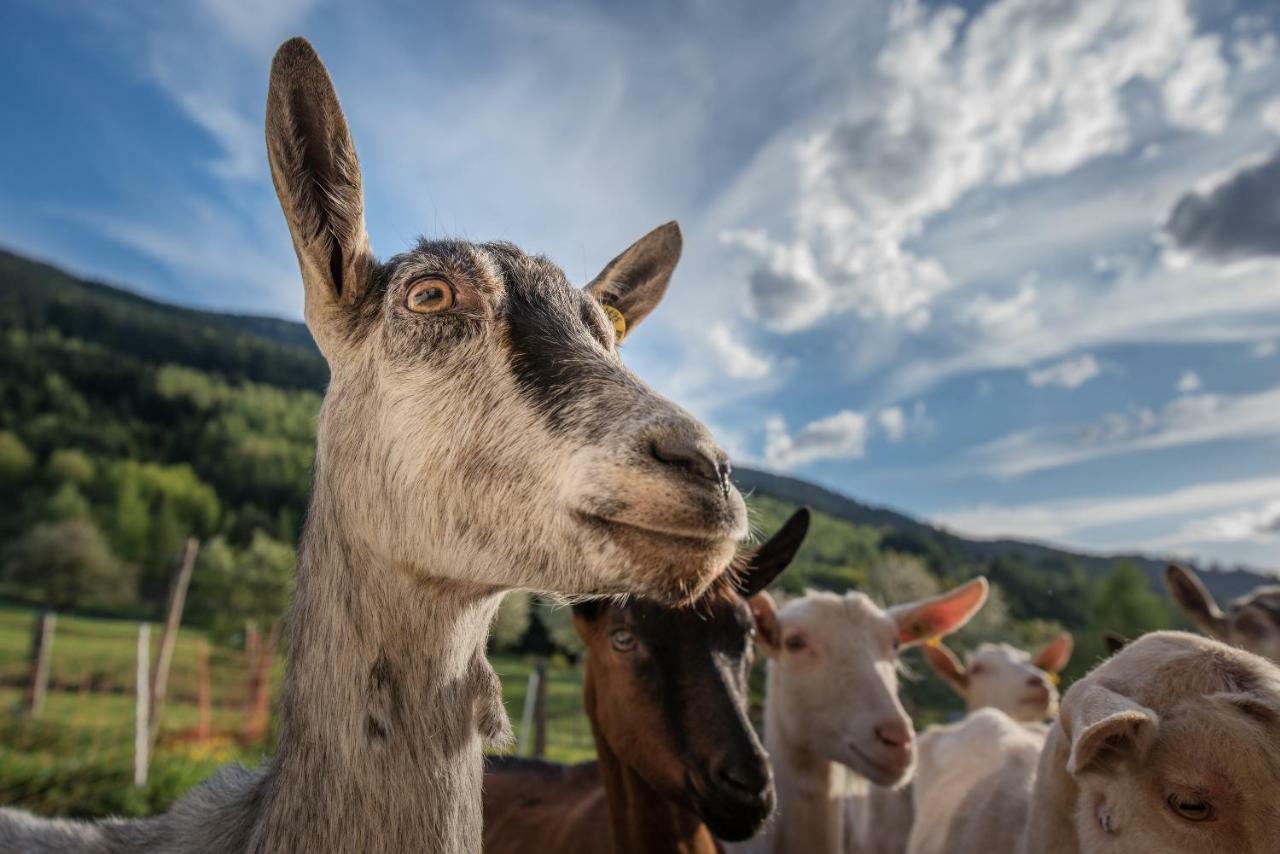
(76, 756)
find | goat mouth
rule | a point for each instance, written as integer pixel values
(731, 814)
(680, 539)
(881, 769)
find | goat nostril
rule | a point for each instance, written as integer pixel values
(723, 470)
(739, 778)
(698, 458)
(896, 734)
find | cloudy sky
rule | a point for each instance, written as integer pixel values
(1013, 266)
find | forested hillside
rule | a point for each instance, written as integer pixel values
(126, 425)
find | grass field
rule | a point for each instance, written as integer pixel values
(76, 759)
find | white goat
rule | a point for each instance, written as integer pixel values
(1172, 745)
(833, 721)
(1004, 677)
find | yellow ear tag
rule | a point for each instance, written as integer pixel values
(619, 322)
(934, 641)
(1054, 678)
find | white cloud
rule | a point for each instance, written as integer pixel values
(1069, 373)
(1065, 519)
(1014, 315)
(1257, 524)
(1189, 381)
(1189, 420)
(894, 423)
(736, 358)
(1021, 89)
(1265, 349)
(1270, 114)
(842, 436)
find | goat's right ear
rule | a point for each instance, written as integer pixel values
(633, 283)
(768, 633)
(1056, 653)
(317, 178)
(1194, 599)
(774, 555)
(1104, 725)
(939, 615)
(1114, 641)
(945, 663)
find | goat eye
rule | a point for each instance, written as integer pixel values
(623, 640)
(429, 296)
(794, 643)
(1191, 808)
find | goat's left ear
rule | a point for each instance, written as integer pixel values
(634, 282)
(947, 665)
(1104, 725)
(939, 615)
(774, 555)
(1055, 655)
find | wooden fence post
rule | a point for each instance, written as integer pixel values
(540, 710)
(41, 661)
(259, 716)
(204, 692)
(169, 635)
(142, 728)
(526, 716)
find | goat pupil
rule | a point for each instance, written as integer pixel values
(429, 295)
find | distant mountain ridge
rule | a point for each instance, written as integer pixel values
(39, 297)
(1225, 584)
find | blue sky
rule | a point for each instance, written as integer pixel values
(1011, 266)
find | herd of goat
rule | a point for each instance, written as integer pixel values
(481, 433)
(1172, 744)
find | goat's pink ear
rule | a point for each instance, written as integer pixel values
(1194, 599)
(765, 612)
(939, 615)
(1104, 726)
(945, 663)
(1055, 655)
(635, 281)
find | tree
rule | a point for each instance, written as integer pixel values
(67, 563)
(511, 621)
(65, 503)
(16, 462)
(232, 586)
(68, 465)
(557, 619)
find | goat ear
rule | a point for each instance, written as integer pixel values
(774, 555)
(1104, 725)
(634, 282)
(945, 663)
(939, 615)
(1055, 655)
(1195, 600)
(1114, 641)
(765, 612)
(317, 178)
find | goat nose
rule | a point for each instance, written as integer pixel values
(694, 454)
(1035, 681)
(894, 734)
(747, 778)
